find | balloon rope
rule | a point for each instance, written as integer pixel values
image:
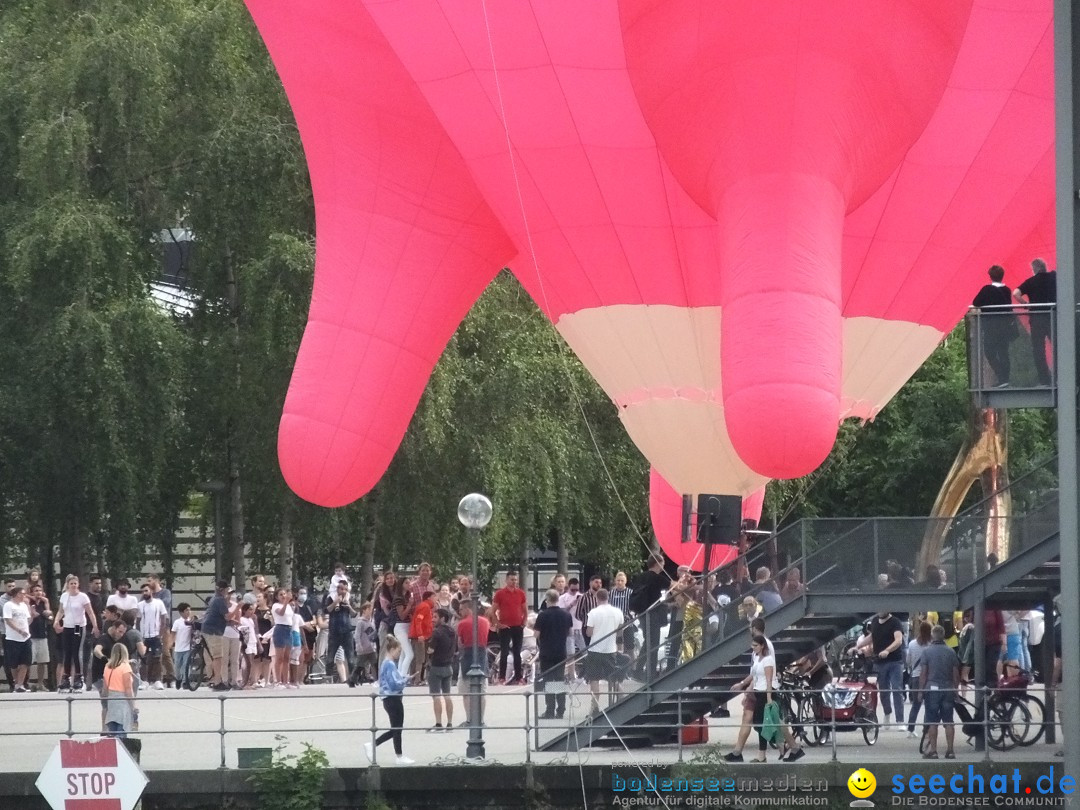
(540, 279)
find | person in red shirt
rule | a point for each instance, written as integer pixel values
(419, 632)
(465, 645)
(511, 613)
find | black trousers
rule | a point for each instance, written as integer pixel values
(1040, 336)
(759, 719)
(71, 651)
(395, 710)
(510, 639)
(996, 338)
(674, 641)
(341, 640)
(652, 623)
(552, 670)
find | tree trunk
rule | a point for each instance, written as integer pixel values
(285, 548)
(236, 505)
(561, 552)
(371, 536)
(236, 520)
(168, 551)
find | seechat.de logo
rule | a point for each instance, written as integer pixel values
(862, 785)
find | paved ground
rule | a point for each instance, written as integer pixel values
(179, 730)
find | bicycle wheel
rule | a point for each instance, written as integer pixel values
(1019, 725)
(196, 668)
(811, 734)
(999, 728)
(1037, 711)
(789, 711)
(870, 730)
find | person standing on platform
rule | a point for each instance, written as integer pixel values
(1040, 288)
(997, 324)
(465, 644)
(511, 613)
(886, 639)
(938, 681)
(552, 628)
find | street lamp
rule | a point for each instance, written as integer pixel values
(474, 512)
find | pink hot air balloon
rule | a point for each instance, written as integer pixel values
(748, 220)
(665, 510)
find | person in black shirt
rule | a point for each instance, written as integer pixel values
(1040, 288)
(41, 618)
(339, 612)
(996, 324)
(647, 592)
(552, 628)
(887, 640)
(440, 649)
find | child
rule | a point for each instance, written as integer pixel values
(364, 639)
(182, 649)
(391, 687)
(296, 651)
(250, 642)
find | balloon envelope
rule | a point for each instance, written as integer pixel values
(749, 220)
(665, 510)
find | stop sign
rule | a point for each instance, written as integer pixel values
(93, 775)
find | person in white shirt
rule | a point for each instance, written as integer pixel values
(17, 650)
(762, 681)
(233, 648)
(601, 663)
(249, 643)
(122, 599)
(70, 624)
(182, 631)
(339, 576)
(282, 612)
(296, 652)
(153, 621)
(575, 642)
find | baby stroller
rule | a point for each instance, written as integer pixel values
(849, 704)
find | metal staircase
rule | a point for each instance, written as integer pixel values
(839, 561)
(696, 688)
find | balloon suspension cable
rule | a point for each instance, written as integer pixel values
(559, 342)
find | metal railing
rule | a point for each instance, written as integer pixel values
(1011, 347)
(819, 719)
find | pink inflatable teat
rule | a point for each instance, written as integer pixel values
(778, 118)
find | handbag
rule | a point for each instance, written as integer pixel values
(770, 722)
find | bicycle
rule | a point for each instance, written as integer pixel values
(1015, 688)
(797, 703)
(196, 668)
(1008, 721)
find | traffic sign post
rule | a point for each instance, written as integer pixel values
(93, 775)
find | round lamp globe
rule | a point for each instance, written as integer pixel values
(474, 511)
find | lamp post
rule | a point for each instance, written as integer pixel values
(474, 512)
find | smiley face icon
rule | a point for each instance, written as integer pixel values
(862, 783)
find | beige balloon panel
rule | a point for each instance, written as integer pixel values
(661, 366)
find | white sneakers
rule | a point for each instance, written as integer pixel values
(369, 752)
(158, 685)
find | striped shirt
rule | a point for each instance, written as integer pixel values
(620, 598)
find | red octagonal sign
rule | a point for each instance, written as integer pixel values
(93, 775)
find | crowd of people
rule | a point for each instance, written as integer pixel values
(413, 630)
